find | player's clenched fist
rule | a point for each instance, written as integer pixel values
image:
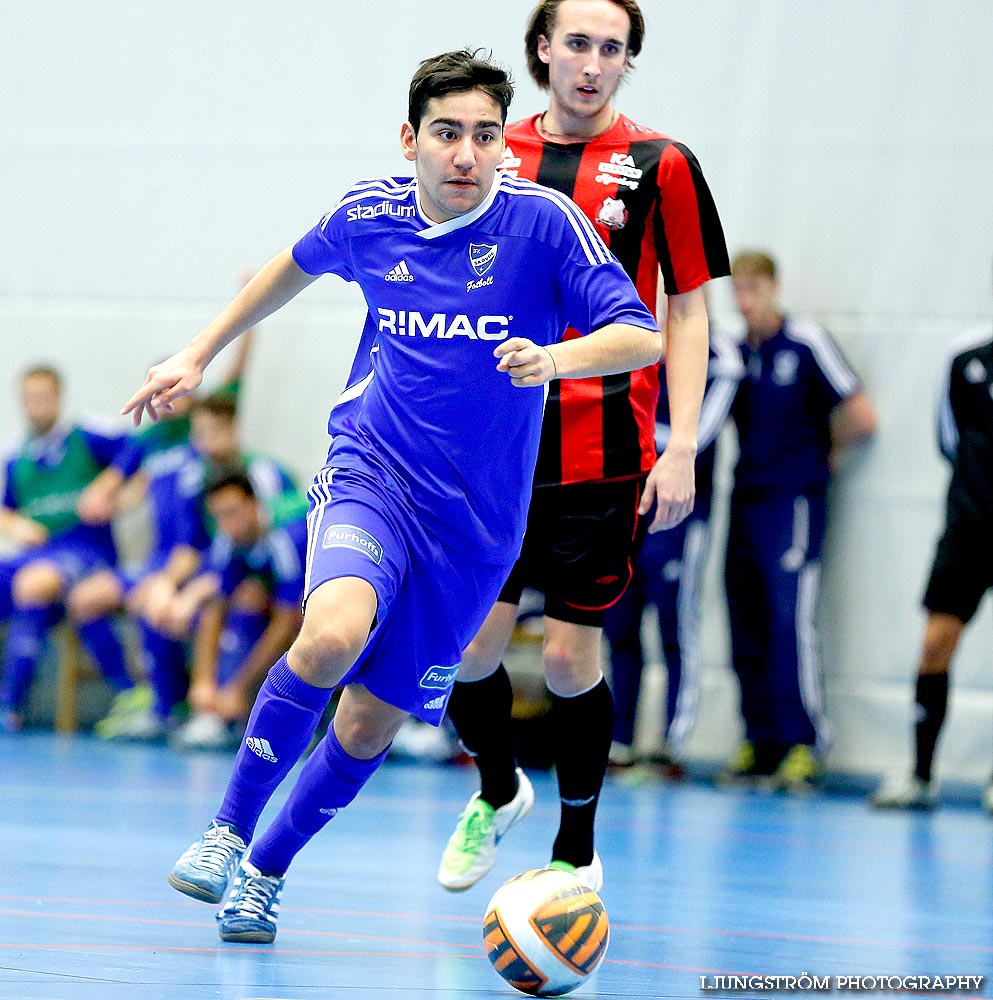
(526, 362)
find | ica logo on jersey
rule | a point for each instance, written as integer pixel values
(620, 170)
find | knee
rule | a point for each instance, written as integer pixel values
(479, 660)
(38, 585)
(566, 670)
(940, 640)
(363, 725)
(91, 600)
(325, 650)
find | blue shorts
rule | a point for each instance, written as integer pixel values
(432, 598)
(73, 558)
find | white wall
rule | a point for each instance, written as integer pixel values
(150, 152)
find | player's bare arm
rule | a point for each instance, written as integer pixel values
(618, 347)
(670, 485)
(22, 530)
(272, 287)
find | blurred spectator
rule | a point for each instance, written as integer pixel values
(798, 405)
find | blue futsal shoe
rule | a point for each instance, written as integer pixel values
(207, 865)
(251, 910)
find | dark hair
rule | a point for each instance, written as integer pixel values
(229, 476)
(43, 371)
(455, 72)
(754, 264)
(543, 20)
(219, 404)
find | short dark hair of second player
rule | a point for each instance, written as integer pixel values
(543, 20)
(457, 72)
(219, 404)
(229, 478)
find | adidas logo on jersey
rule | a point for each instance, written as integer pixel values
(261, 748)
(399, 273)
(435, 704)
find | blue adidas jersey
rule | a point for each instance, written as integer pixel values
(425, 408)
(783, 407)
(276, 560)
(174, 501)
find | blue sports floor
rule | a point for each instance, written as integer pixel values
(700, 882)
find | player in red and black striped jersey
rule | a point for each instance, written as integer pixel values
(597, 474)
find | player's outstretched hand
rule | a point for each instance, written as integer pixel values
(175, 377)
(671, 486)
(525, 362)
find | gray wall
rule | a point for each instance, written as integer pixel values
(151, 152)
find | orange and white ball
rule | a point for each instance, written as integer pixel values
(545, 932)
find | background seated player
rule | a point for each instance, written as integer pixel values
(246, 606)
(146, 591)
(56, 511)
(167, 472)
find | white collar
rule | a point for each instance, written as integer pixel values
(436, 229)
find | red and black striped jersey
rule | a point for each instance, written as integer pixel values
(648, 198)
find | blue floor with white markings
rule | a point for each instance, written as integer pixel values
(700, 883)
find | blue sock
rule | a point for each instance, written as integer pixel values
(165, 664)
(329, 781)
(284, 718)
(102, 644)
(242, 631)
(25, 643)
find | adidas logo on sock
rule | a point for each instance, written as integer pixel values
(261, 748)
(399, 273)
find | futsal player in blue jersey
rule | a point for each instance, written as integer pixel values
(418, 516)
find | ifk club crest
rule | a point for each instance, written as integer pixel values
(481, 256)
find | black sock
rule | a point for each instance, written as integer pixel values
(581, 729)
(480, 711)
(932, 703)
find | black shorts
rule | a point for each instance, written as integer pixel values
(580, 545)
(962, 571)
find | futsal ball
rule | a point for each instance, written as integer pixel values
(545, 932)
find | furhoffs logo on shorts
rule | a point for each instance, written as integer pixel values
(347, 536)
(439, 678)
